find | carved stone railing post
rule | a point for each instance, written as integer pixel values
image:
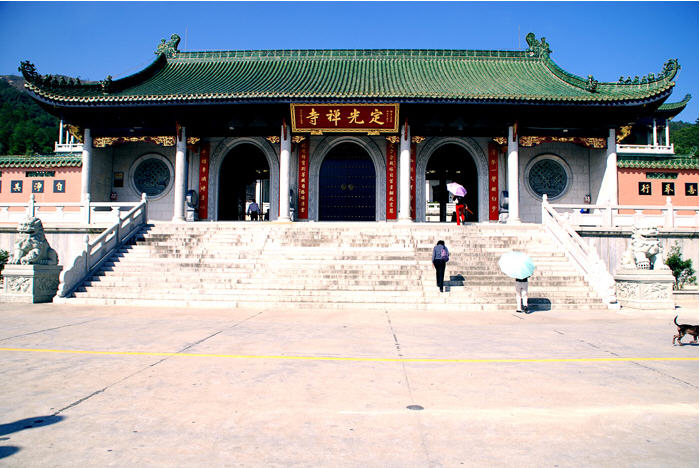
(31, 206)
(669, 215)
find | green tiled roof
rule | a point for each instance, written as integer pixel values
(672, 109)
(48, 160)
(656, 162)
(351, 75)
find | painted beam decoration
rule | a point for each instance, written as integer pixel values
(372, 119)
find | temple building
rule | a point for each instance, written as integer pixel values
(361, 135)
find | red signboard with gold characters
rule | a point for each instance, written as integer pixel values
(321, 118)
(203, 180)
(493, 182)
(391, 176)
(303, 191)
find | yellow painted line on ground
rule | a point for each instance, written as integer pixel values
(340, 358)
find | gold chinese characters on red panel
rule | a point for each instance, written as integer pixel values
(369, 118)
(391, 177)
(303, 191)
(204, 180)
(493, 182)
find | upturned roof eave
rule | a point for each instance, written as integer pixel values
(127, 101)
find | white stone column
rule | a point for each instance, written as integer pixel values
(668, 134)
(513, 178)
(180, 168)
(85, 175)
(285, 151)
(405, 175)
(610, 176)
(653, 132)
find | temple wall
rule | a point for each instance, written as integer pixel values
(125, 159)
(584, 168)
(70, 177)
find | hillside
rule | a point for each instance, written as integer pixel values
(25, 128)
(684, 137)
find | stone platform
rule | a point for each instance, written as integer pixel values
(379, 266)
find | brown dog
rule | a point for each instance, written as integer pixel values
(685, 329)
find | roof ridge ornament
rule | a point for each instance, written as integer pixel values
(591, 84)
(537, 48)
(48, 81)
(669, 70)
(106, 84)
(168, 48)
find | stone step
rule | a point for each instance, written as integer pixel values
(262, 304)
(331, 265)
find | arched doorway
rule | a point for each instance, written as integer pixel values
(450, 163)
(244, 176)
(347, 185)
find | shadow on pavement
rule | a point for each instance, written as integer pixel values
(28, 423)
(538, 304)
(8, 450)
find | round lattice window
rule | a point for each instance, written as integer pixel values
(548, 176)
(152, 177)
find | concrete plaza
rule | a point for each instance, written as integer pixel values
(139, 387)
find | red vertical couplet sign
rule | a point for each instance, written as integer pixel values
(493, 181)
(413, 181)
(391, 183)
(303, 190)
(203, 180)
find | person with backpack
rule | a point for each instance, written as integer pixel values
(440, 258)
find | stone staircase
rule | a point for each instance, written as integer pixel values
(382, 266)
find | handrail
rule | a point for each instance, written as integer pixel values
(608, 215)
(84, 212)
(97, 251)
(584, 256)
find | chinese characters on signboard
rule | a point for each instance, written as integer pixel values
(303, 202)
(644, 188)
(204, 180)
(413, 180)
(668, 188)
(369, 118)
(391, 182)
(691, 189)
(493, 182)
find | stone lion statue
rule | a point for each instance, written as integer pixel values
(31, 246)
(645, 252)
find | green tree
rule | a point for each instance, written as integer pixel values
(25, 128)
(682, 269)
(684, 137)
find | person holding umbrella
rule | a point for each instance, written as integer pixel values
(519, 266)
(459, 192)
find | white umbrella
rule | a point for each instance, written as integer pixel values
(516, 265)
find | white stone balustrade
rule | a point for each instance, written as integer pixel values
(661, 216)
(96, 252)
(583, 255)
(73, 213)
(646, 149)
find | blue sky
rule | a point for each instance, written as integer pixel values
(606, 39)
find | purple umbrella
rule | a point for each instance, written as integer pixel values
(455, 189)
